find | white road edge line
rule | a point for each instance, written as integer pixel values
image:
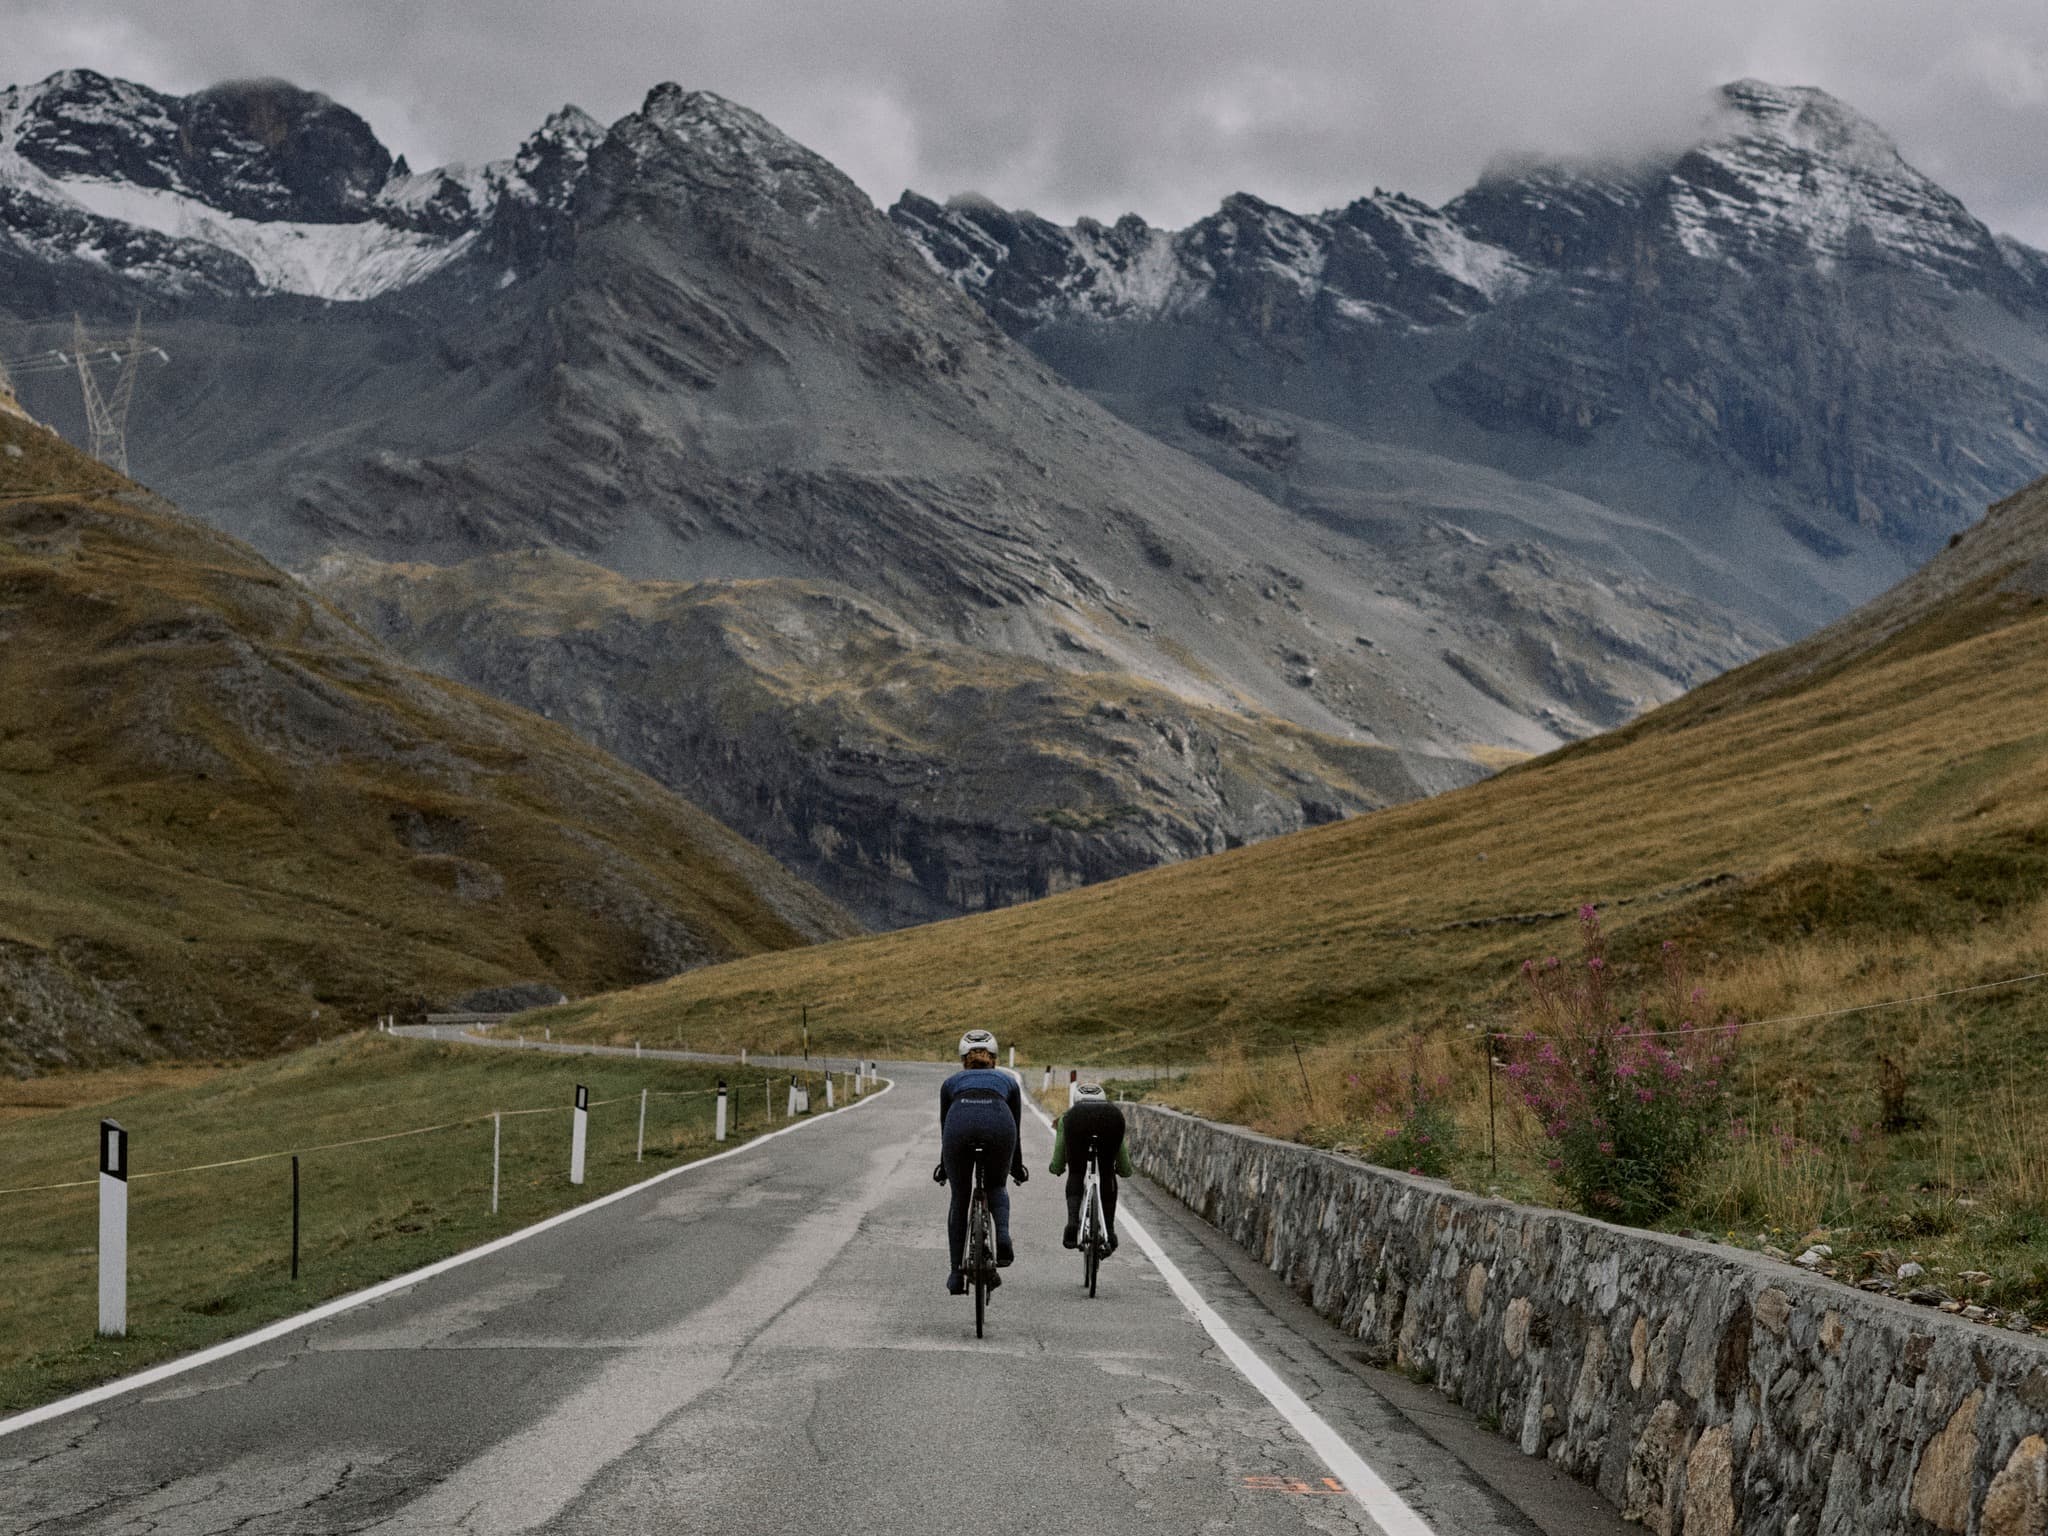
(383, 1288)
(1386, 1508)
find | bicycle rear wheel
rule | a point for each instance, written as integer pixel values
(979, 1256)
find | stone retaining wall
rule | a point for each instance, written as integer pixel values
(1703, 1390)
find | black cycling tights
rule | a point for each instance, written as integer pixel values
(1077, 1185)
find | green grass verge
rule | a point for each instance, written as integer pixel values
(210, 1253)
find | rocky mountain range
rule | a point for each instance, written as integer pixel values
(1377, 500)
(1783, 346)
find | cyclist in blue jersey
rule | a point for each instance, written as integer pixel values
(979, 1106)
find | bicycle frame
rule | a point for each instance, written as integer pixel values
(1094, 1234)
(980, 1258)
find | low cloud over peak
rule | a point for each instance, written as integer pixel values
(1156, 106)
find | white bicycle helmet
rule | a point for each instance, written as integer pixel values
(977, 1040)
(1089, 1091)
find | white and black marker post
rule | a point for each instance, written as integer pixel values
(497, 1141)
(1073, 1077)
(640, 1146)
(828, 1090)
(718, 1133)
(113, 1229)
(1013, 1058)
(579, 1134)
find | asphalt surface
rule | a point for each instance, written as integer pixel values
(764, 1344)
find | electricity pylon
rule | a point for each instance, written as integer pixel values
(107, 419)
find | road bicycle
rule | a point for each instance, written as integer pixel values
(1094, 1237)
(980, 1265)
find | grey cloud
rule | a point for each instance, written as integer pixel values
(1156, 106)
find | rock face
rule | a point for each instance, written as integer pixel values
(910, 778)
(1782, 342)
(1699, 1388)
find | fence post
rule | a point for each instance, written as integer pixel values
(579, 1133)
(497, 1140)
(768, 1097)
(113, 1229)
(1307, 1094)
(295, 1215)
(640, 1145)
(719, 1133)
(1492, 1155)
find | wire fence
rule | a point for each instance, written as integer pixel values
(766, 1085)
(210, 1246)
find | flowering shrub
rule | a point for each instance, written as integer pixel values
(1627, 1098)
(1417, 1133)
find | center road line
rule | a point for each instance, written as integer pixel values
(1386, 1508)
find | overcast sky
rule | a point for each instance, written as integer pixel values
(1106, 106)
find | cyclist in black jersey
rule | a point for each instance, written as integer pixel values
(1092, 1128)
(979, 1106)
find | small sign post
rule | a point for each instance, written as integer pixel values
(579, 1134)
(113, 1229)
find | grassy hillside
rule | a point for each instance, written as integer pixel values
(1899, 801)
(230, 821)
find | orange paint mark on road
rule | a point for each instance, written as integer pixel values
(1269, 1484)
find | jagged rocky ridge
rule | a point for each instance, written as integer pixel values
(1783, 345)
(686, 348)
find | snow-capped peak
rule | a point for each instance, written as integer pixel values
(250, 187)
(1790, 170)
(714, 143)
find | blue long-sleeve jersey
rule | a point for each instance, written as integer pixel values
(979, 1081)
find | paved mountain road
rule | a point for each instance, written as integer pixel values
(764, 1344)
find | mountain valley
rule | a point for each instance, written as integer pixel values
(686, 349)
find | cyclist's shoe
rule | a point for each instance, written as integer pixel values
(1112, 1245)
(1005, 1254)
(1071, 1238)
(994, 1280)
(956, 1284)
